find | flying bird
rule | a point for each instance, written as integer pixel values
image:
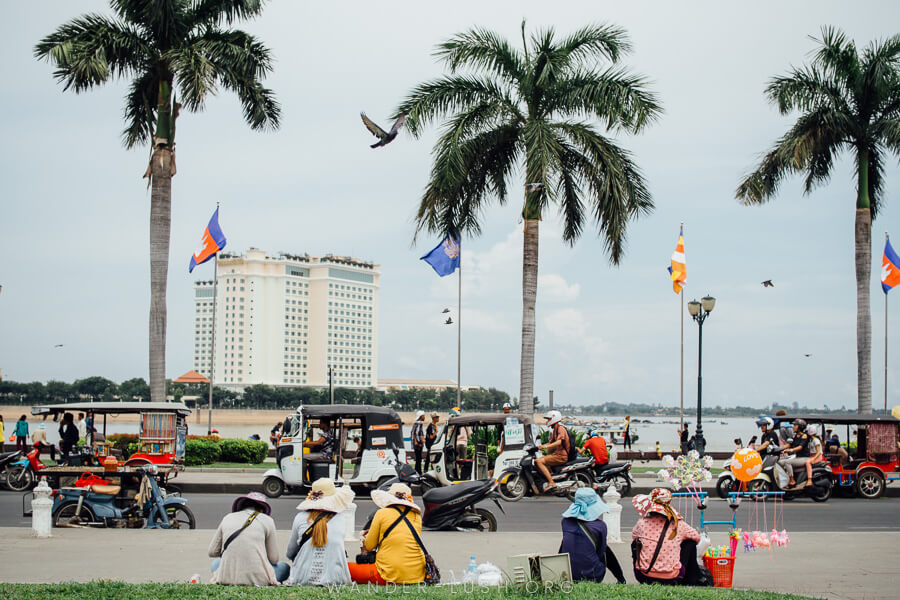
(384, 137)
(768, 283)
(449, 321)
(807, 355)
(58, 346)
(445, 311)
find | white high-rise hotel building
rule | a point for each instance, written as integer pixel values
(283, 320)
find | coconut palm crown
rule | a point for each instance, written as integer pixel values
(544, 109)
(164, 46)
(848, 101)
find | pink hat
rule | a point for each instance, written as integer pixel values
(657, 502)
(251, 499)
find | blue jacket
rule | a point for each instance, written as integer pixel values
(587, 563)
(21, 428)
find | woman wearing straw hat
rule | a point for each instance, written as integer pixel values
(666, 545)
(244, 545)
(399, 559)
(316, 546)
(584, 538)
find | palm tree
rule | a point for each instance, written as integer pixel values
(531, 108)
(848, 101)
(160, 45)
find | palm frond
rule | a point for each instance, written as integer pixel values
(875, 178)
(808, 88)
(837, 55)
(591, 42)
(140, 109)
(434, 99)
(214, 12)
(615, 96)
(482, 49)
(90, 49)
(165, 21)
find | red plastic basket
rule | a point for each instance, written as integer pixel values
(722, 569)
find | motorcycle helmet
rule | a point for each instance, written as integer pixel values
(800, 423)
(594, 433)
(553, 417)
(769, 423)
(812, 430)
(455, 412)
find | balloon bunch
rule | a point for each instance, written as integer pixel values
(688, 471)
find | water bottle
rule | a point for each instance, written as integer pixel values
(472, 565)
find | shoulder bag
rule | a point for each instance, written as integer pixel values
(239, 531)
(432, 574)
(637, 545)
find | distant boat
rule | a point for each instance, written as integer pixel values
(723, 422)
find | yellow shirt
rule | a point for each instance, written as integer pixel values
(399, 558)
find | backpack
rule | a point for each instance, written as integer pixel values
(572, 449)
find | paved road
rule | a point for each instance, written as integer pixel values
(836, 515)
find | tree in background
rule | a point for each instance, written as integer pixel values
(848, 101)
(161, 45)
(134, 390)
(536, 108)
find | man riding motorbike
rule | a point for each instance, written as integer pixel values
(799, 447)
(558, 447)
(770, 444)
(596, 445)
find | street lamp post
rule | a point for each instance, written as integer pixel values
(699, 311)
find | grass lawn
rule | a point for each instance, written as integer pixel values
(230, 465)
(581, 591)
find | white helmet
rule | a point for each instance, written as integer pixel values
(507, 405)
(812, 430)
(553, 417)
(419, 414)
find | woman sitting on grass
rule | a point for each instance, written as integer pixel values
(584, 538)
(317, 536)
(663, 546)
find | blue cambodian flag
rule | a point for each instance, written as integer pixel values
(444, 259)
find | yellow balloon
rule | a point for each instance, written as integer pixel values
(746, 464)
(895, 412)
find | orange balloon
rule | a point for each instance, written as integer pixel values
(746, 464)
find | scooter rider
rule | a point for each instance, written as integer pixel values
(558, 447)
(770, 442)
(799, 447)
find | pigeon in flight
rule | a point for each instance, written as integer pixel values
(58, 346)
(449, 321)
(768, 283)
(384, 137)
(445, 311)
(807, 355)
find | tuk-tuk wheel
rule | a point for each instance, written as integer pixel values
(870, 484)
(273, 487)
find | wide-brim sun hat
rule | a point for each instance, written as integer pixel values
(586, 506)
(398, 494)
(325, 496)
(657, 502)
(251, 500)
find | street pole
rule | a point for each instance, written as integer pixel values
(699, 442)
(459, 331)
(212, 353)
(331, 383)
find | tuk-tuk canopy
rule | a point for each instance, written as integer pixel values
(841, 419)
(374, 415)
(112, 408)
(469, 419)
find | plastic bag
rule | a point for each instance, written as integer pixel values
(781, 476)
(488, 574)
(702, 545)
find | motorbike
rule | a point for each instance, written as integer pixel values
(407, 474)
(21, 474)
(99, 506)
(617, 474)
(6, 460)
(449, 507)
(773, 478)
(525, 479)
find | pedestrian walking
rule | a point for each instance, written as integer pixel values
(626, 442)
(22, 433)
(431, 434)
(418, 438)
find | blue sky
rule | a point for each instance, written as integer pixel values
(75, 224)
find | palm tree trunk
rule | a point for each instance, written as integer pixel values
(529, 298)
(863, 239)
(161, 167)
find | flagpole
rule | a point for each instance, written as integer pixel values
(681, 293)
(212, 353)
(459, 328)
(886, 239)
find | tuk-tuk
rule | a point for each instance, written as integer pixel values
(363, 437)
(162, 427)
(484, 430)
(868, 468)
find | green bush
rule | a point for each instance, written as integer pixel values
(201, 452)
(131, 449)
(126, 442)
(243, 451)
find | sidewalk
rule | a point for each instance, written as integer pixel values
(844, 566)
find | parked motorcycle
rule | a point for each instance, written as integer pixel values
(407, 474)
(774, 478)
(6, 461)
(617, 474)
(525, 479)
(22, 473)
(99, 506)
